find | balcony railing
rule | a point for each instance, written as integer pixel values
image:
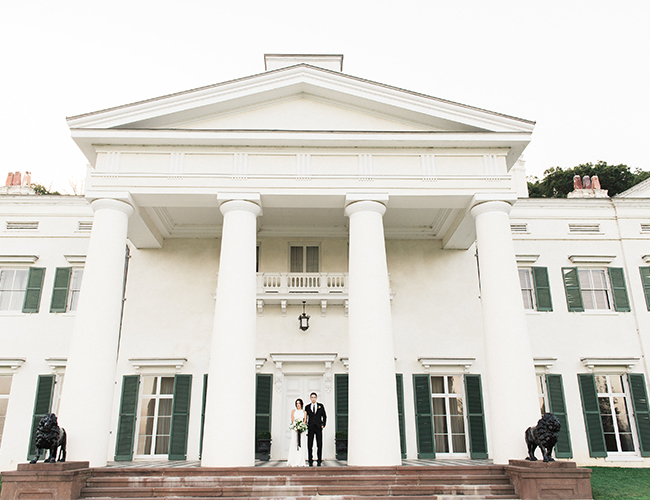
(288, 283)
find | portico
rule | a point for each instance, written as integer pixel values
(403, 167)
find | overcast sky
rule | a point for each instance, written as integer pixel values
(580, 69)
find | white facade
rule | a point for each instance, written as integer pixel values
(397, 218)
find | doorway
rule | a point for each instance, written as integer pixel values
(297, 386)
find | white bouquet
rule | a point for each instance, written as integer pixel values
(298, 425)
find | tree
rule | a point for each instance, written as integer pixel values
(40, 189)
(557, 183)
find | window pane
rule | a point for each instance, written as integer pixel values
(454, 385)
(455, 406)
(437, 385)
(5, 384)
(440, 424)
(616, 381)
(458, 443)
(542, 405)
(5, 298)
(627, 443)
(20, 280)
(149, 385)
(608, 423)
(583, 276)
(17, 299)
(524, 278)
(146, 426)
(144, 445)
(439, 406)
(610, 442)
(296, 260)
(167, 385)
(441, 444)
(165, 407)
(162, 445)
(598, 277)
(77, 275)
(312, 259)
(164, 426)
(457, 425)
(601, 299)
(605, 408)
(6, 279)
(3, 406)
(588, 299)
(601, 383)
(148, 407)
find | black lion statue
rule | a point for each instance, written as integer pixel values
(49, 436)
(544, 435)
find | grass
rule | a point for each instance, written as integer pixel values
(616, 483)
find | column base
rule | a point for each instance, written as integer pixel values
(57, 481)
(549, 480)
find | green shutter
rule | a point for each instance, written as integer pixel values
(60, 292)
(591, 412)
(423, 416)
(555, 391)
(619, 291)
(399, 379)
(126, 421)
(34, 288)
(42, 405)
(641, 410)
(475, 417)
(203, 401)
(542, 289)
(263, 395)
(180, 417)
(645, 281)
(341, 402)
(572, 289)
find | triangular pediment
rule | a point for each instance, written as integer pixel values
(300, 97)
(641, 190)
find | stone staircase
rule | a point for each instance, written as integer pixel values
(344, 483)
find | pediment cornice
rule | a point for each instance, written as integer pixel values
(226, 97)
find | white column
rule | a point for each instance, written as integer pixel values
(87, 402)
(373, 425)
(510, 373)
(229, 436)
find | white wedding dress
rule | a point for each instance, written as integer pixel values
(298, 456)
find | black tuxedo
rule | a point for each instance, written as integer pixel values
(315, 423)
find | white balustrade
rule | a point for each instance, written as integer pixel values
(317, 283)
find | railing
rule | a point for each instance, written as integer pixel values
(321, 283)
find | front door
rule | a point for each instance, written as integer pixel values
(297, 386)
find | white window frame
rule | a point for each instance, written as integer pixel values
(447, 396)
(630, 413)
(157, 397)
(530, 292)
(543, 395)
(304, 257)
(591, 291)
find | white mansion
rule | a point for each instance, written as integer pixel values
(158, 314)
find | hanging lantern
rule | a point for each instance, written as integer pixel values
(303, 318)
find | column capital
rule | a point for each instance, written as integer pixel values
(491, 206)
(112, 204)
(245, 205)
(365, 206)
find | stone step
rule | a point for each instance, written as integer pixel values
(218, 481)
(338, 497)
(299, 491)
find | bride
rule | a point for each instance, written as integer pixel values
(297, 448)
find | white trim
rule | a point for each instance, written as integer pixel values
(303, 358)
(591, 259)
(18, 259)
(75, 259)
(259, 362)
(447, 366)
(646, 258)
(57, 365)
(543, 365)
(10, 365)
(526, 259)
(160, 365)
(600, 364)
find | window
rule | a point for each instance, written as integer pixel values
(304, 259)
(75, 288)
(645, 281)
(448, 414)
(13, 284)
(535, 289)
(527, 289)
(5, 386)
(594, 287)
(155, 415)
(614, 413)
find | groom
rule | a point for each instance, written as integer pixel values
(317, 418)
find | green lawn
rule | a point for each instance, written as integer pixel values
(615, 483)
